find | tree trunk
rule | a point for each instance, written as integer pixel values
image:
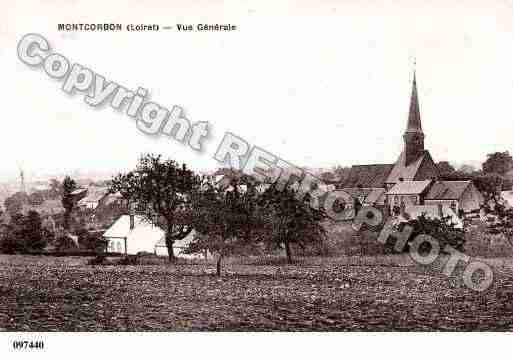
(288, 252)
(67, 216)
(218, 265)
(169, 245)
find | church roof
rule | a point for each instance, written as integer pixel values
(409, 187)
(447, 190)
(406, 172)
(367, 176)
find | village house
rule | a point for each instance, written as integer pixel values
(134, 234)
(93, 198)
(413, 182)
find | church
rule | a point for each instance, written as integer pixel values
(412, 184)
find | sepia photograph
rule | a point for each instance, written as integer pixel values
(199, 173)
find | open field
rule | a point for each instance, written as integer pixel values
(347, 293)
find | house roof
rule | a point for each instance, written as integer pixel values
(94, 195)
(447, 189)
(368, 176)
(79, 191)
(121, 227)
(356, 192)
(409, 187)
(376, 196)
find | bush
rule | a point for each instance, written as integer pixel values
(24, 234)
(65, 243)
(128, 261)
(441, 229)
(98, 260)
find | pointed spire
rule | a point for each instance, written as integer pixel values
(414, 124)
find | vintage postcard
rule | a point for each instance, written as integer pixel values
(253, 166)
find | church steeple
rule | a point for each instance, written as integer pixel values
(413, 136)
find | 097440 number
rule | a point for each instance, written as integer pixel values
(27, 344)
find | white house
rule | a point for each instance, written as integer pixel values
(134, 234)
(507, 196)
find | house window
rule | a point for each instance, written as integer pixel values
(119, 247)
(111, 246)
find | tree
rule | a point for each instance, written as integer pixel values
(68, 200)
(489, 185)
(440, 229)
(445, 168)
(25, 234)
(341, 173)
(225, 220)
(498, 162)
(290, 219)
(35, 236)
(14, 203)
(468, 169)
(328, 177)
(162, 188)
(503, 223)
(55, 190)
(92, 241)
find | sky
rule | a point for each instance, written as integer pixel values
(317, 83)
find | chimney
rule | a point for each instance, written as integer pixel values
(440, 211)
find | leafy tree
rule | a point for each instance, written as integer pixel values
(467, 169)
(328, 177)
(489, 185)
(498, 162)
(341, 173)
(290, 220)
(64, 242)
(162, 188)
(68, 200)
(55, 189)
(445, 168)
(503, 223)
(35, 236)
(90, 240)
(25, 234)
(441, 229)
(14, 203)
(226, 220)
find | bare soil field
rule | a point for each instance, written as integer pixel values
(347, 293)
